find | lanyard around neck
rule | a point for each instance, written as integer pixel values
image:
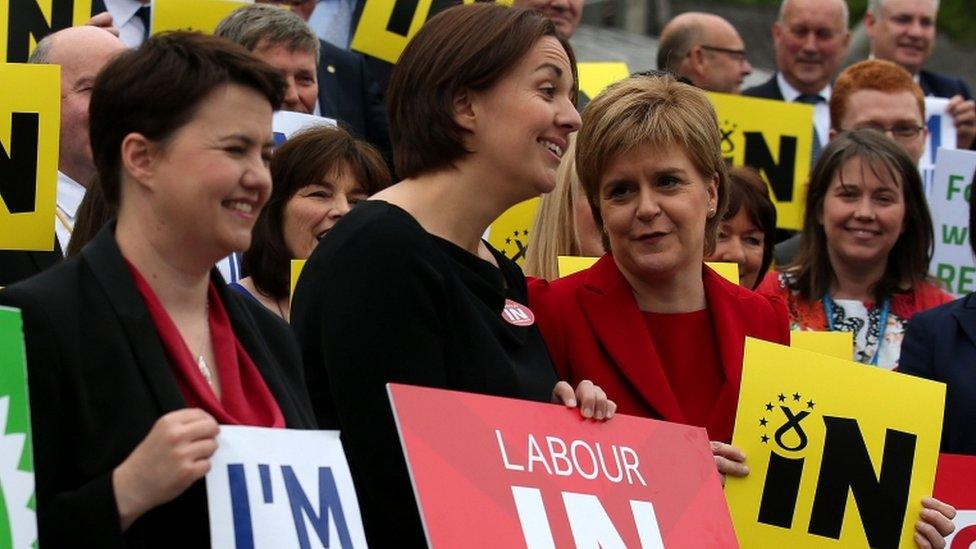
(828, 305)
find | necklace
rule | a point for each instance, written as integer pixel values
(202, 362)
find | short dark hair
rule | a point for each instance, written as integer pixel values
(155, 90)
(304, 159)
(908, 260)
(748, 191)
(464, 47)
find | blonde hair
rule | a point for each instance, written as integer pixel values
(554, 230)
(658, 111)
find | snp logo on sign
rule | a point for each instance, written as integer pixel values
(29, 124)
(270, 488)
(840, 454)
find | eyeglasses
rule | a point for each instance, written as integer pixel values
(898, 131)
(738, 55)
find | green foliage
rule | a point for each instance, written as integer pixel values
(957, 18)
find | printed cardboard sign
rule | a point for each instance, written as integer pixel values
(386, 26)
(495, 472)
(952, 258)
(955, 484)
(24, 23)
(840, 454)
(30, 120)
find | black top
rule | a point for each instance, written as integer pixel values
(99, 379)
(381, 300)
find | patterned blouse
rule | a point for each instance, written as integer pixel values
(863, 319)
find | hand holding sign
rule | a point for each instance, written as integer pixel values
(590, 398)
(175, 454)
(963, 114)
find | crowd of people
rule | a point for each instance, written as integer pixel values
(180, 218)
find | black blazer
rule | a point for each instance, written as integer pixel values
(940, 85)
(940, 344)
(348, 93)
(767, 90)
(99, 379)
(17, 265)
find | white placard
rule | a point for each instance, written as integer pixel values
(287, 123)
(272, 488)
(942, 135)
(965, 522)
(952, 259)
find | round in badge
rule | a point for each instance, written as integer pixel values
(517, 314)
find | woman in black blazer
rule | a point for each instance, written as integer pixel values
(940, 344)
(136, 349)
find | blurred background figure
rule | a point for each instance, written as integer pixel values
(81, 52)
(563, 223)
(748, 229)
(564, 14)
(706, 49)
(862, 264)
(317, 177)
(125, 410)
(128, 19)
(903, 32)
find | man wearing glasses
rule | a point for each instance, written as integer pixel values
(706, 49)
(903, 32)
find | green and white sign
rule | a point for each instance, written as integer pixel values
(952, 259)
(18, 523)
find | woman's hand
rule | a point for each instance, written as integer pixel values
(729, 460)
(935, 524)
(590, 398)
(174, 455)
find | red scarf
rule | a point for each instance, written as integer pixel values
(244, 397)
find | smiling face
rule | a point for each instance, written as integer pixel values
(654, 204)
(314, 209)
(740, 241)
(519, 128)
(863, 214)
(210, 179)
(298, 68)
(889, 112)
(810, 40)
(903, 32)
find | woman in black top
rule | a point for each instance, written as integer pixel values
(404, 289)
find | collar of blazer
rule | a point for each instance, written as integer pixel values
(966, 316)
(611, 309)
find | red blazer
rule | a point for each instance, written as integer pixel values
(595, 331)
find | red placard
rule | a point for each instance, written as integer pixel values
(499, 472)
(955, 484)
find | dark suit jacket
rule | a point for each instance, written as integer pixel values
(17, 265)
(940, 344)
(99, 380)
(767, 90)
(940, 85)
(595, 331)
(349, 94)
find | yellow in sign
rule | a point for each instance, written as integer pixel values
(23, 23)
(198, 15)
(386, 26)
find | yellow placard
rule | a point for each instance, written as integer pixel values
(386, 26)
(510, 232)
(840, 455)
(198, 15)
(594, 77)
(569, 264)
(23, 23)
(30, 114)
(835, 344)
(296, 270)
(775, 138)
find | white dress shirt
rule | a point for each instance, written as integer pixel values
(821, 111)
(124, 18)
(70, 193)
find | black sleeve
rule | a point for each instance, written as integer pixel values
(68, 514)
(375, 117)
(376, 310)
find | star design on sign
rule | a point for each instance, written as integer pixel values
(765, 439)
(508, 241)
(782, 397)
(525, 232)
(796, 396)
(769, 406)
(810, 404)
(515, 233)
(763, 422)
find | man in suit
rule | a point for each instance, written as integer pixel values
(343, 86)
(903, 32)
(810, 38)
(81, 52)
(706, 49)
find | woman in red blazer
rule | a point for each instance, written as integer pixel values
(649, 322)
